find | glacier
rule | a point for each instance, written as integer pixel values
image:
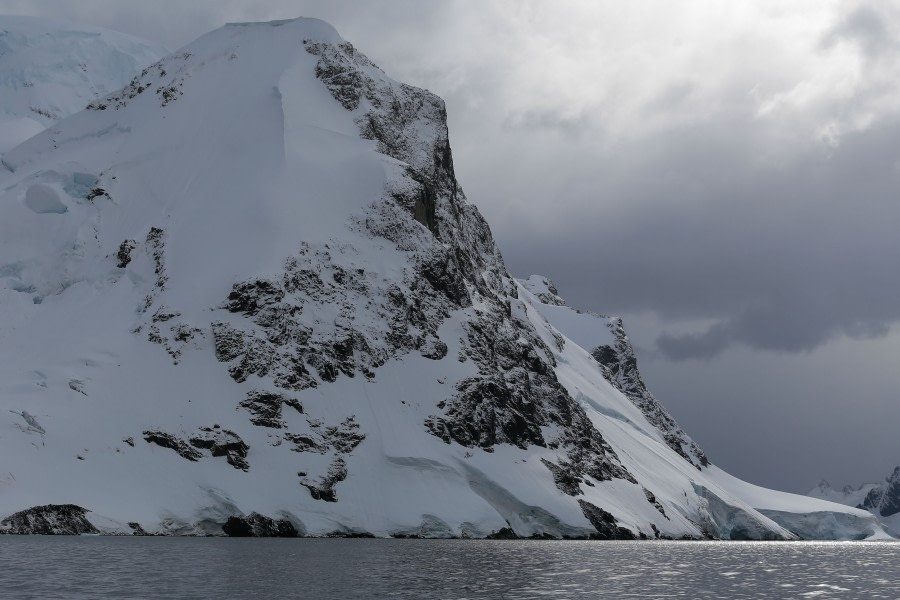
(245, 292)
(882, 499)
(50, 70)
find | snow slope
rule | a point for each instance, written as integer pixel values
(49, 70)
(248, 282)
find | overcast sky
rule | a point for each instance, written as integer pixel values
(724, 175)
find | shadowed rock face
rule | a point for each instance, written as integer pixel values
(604, 523)
(167, 440)
(218, 441)
(266, 408)
(620, 368)
(223, 442)
(324, 487)
(257, 525)
(51, 519)
(884, 500)
(453, 263)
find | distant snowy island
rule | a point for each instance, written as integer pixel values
(881, 499)
(243, 293)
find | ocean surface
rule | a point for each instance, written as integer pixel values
(126, 567)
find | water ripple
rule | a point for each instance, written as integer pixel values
(183, 568)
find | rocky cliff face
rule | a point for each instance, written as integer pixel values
(884, 499)
(620, 368)
(260, 304)
(618, 363)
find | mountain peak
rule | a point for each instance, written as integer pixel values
(311, 27)
(247, 292)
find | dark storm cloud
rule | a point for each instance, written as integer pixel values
(784, 258)
(866, 25)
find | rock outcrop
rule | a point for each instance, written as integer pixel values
(620, 368)
(51, 519)
(884, 500)
(257, 525)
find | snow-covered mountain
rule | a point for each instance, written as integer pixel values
(849, 495)
(881, 499)
(50, 70)
(246, 294)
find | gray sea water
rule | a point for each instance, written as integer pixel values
(124, 567)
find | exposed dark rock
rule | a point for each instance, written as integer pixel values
(515, 392)
(124, 254)
(223, 442)
(306, 443)
(504, 533)
(167, 440)
(350, 534)
(172, 336)
(162, 314)
(884, 500)
(651, 498)
(344, 437)
(338, 72)
(446, 277)
(136, 528)
(51, 519)
(251, 355)
(486, 412)
(567, 481)
(300, 352)
(154, 75)
(96, 192)
(155, 245)
(257, 525)
(619, 367)
(252, 296)
(434, 349)
(266, 408)
(605, 524)
(169, 93)
(164, 327)
(323, 488)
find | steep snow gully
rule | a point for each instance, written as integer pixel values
(246, 295)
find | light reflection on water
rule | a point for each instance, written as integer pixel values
(108, 567)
